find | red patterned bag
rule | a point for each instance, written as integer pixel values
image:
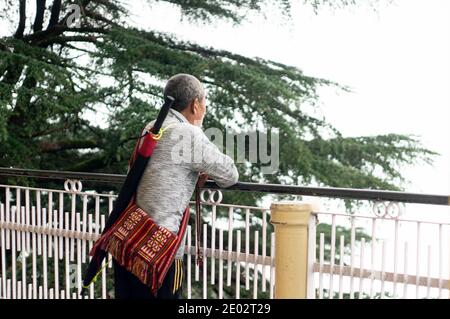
(142, 247)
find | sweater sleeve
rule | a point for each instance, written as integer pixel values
(207, 158)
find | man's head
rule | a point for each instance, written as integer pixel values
(190, 97)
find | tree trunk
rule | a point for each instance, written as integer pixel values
(39, 18)
(54, 17)
(22, 19)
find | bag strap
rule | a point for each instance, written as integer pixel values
(138, 142)
(198, 219)
(198, 227)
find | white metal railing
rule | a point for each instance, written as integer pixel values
(397, 258)
(46, 235)
(238, 253)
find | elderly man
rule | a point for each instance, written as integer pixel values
(169, 180)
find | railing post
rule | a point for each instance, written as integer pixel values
(294, 224)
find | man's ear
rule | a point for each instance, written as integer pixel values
(190, 107)
(195, 106)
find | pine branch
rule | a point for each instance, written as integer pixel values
(67, 45)
(50, 131)
(98, 17)
(65, 39)
(52, 147)
(42, 37)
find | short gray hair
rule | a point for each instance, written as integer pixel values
(184, 88)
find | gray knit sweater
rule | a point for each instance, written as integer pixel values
(169, 180)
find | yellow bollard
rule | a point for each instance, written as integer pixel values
(294, 224)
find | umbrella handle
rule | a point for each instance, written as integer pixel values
(163, 114)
